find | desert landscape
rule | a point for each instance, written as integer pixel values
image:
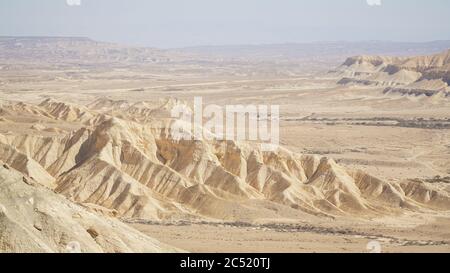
(89, 162)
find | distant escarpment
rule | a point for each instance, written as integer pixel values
(422, 75)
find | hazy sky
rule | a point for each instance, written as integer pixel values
(178, 23)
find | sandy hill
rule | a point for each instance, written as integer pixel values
(422, 75)
(138, 170)
(35, 219)
(66, 111)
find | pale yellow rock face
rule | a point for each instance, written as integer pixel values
(34, 219)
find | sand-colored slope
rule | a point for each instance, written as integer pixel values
(66, 111)
(25, 165)
(34, 219)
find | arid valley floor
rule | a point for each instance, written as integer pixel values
(365, 151)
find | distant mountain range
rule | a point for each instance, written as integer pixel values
(79, 50)
(74, 50)
(318, 50)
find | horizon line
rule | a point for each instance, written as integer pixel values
(222, 45)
